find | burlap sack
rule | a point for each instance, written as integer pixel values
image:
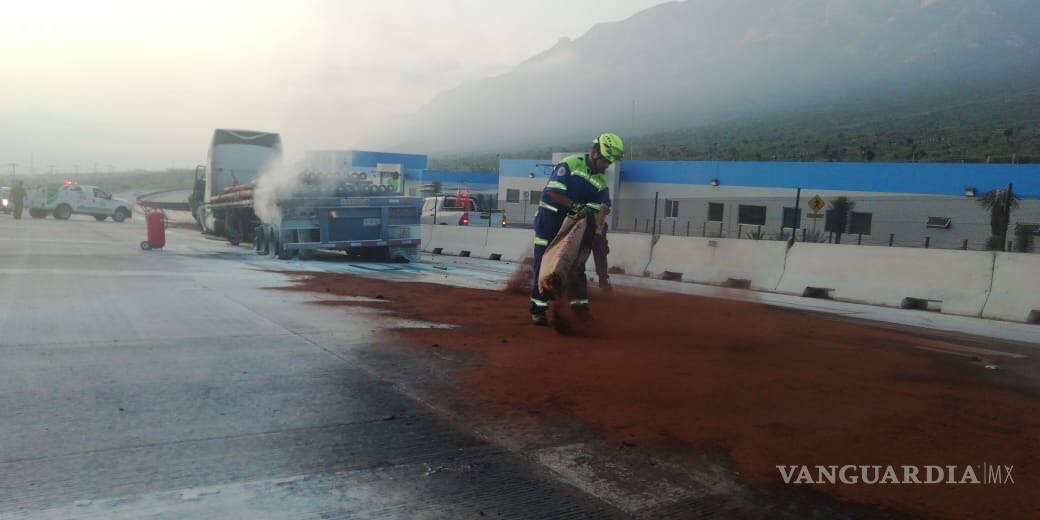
(567, 253)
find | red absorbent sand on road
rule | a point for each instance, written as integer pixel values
(766, 385)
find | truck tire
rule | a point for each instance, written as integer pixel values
(63, 212)
(37, 213)
(233, 229)
(283, 253)
(120, 215)
(270, 240)
(258, 240)
(100, 218)
(381, 254)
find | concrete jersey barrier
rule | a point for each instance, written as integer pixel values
(755, 264)
(973, 283)
(956, 281)
(481, 242)
(628, 251)
(1015, 294)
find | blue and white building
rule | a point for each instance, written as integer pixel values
(909, 204)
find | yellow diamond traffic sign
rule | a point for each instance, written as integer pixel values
(816, 203)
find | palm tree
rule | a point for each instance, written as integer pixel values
(841, 207)
(999, 205)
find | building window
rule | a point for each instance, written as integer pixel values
(792, 219)
(939, 222)
(751, 215)
(715, 210)
(671, 208)
(512, 195)
(534, 197)
(830, 222)
(859, 223)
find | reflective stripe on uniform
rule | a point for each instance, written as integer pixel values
(595, 205)
(598, 184)
(540, 241)
(540, 303)
(547, 206)
(557, 185)
(580, 302)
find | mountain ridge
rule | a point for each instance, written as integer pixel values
(685, 64)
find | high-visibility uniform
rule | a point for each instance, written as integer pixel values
(573, 177)
(18, 196)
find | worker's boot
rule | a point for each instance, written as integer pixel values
(581, 312)
(604, 285)
(540, 319)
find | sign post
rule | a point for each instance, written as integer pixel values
(816, 203)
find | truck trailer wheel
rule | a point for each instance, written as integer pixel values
(63, 212)
(258, 240)
(270, 241)
(282, 253)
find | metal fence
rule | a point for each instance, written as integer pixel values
(892, 221)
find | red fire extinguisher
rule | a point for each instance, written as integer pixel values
(156, 223)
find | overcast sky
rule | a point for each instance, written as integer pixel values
(144, 83)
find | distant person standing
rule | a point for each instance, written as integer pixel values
(18, 196)
(600, 249)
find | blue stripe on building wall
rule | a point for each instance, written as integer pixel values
(473, 180)
(926, 178)
(407, 161)
(524, 167)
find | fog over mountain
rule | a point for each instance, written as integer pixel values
(684, 64)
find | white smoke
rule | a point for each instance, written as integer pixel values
(275, 181)
(278, 182)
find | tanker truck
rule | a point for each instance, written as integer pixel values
(246, 195)
(236, 159)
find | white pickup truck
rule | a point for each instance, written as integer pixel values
(64, 201)
(459, 211)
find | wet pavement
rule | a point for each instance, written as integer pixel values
(177, 384)
(174, 384)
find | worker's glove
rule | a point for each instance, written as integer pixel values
(583, 210)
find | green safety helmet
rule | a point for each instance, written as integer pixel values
(610, 146)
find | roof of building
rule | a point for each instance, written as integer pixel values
(924, 178)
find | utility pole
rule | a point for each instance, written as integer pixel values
(797, 218)
(631, 148)
(1007, 217)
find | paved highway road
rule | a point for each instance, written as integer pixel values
(173, 384)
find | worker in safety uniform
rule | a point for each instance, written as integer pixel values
(600, 248)
(577, 186)
(18, 196)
